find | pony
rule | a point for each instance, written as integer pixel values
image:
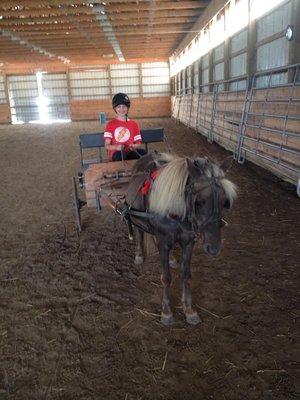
(178, 201)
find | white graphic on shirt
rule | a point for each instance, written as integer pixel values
(121, 134)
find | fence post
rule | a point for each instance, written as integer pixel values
(238, 155)
(210, 136)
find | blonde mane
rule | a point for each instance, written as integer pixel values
(167, 193)
(167, 196)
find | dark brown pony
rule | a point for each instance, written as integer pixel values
(185, 202)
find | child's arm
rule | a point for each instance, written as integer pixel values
(109, 146)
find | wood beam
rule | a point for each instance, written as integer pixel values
(110, 4)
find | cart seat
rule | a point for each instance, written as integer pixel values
(152, 135)
(95, 141)
(89, 141)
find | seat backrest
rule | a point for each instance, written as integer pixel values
(152, 135)
(90, 140)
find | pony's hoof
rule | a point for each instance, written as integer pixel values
(167, 319)
(173, 263)
(192, 319)
(138, 260)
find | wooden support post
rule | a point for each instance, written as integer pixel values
(140, 72)
(69, 85)
(251, 46)
(109, 82)
(226, 63)
(7, 95)
(211, 70)
(6, 88)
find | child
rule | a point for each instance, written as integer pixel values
(122, 135)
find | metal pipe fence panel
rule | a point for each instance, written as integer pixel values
(260, 124)
(271, 127)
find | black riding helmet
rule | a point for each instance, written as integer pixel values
(120, 98)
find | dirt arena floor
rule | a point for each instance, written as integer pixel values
(78, 320)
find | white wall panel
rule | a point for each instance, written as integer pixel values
(273, 54)
(238, 65)
(155, 79)
(23, 98)
(274, 22)
(239, 41)
(205, 61)
(89, 85)
(219, 53)
(205, 76)
(219, 71)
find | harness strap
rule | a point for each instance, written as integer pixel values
(144, 190)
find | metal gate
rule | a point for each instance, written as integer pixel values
(270, 129)
(256, 117)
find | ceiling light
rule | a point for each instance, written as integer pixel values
(1, 16)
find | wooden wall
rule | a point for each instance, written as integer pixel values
(140, 108)
(5, 114)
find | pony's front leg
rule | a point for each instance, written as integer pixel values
(190, 314)
(139, 251)
(164, 252)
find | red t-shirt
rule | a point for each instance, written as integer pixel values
(122, 132)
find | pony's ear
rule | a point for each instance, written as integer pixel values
(226, 164)
(193, 168)
(197, 166)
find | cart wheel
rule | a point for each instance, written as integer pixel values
(78, 204)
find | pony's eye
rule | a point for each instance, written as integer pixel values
(200, 203)
(226, 204)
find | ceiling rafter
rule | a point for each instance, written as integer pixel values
(94, 30)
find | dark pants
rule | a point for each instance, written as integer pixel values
(132, 155)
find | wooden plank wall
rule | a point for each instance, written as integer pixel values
(277, 146)
(140, 108)
(5, 117)
(227, 118)
(277, 149)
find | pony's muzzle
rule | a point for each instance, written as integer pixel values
(211, 249)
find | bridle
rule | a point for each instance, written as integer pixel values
(191, 196)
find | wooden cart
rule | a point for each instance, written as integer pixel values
(104, 182)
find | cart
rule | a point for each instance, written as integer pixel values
(103, 182)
